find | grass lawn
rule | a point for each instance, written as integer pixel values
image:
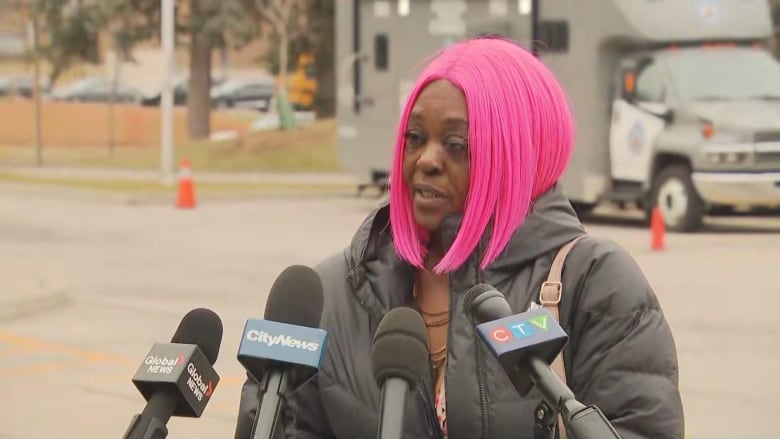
(307, 148)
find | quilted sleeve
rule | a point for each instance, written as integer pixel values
(624, 358)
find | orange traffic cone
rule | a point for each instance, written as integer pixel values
(186, 199)
(658, 229)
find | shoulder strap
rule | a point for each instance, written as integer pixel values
(550, 298)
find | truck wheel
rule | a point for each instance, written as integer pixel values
(674, 193)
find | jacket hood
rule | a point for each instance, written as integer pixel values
(550, 224)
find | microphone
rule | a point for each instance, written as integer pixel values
(525, 345)
(527, 339)
(399, 357)
(286, 346)
(177, 378)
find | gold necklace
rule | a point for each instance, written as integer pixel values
(438, 356)
(434, 323)
(427, 313)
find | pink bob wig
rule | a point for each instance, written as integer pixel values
(520, 132)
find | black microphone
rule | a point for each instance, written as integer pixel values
(525, 345)
(177, 378)
(285, 348)
(399, 357)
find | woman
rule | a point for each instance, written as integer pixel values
(484, 138)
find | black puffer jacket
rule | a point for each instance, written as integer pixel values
(621, 355)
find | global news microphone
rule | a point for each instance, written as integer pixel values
(474, 199)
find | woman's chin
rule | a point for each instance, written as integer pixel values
(428, 221)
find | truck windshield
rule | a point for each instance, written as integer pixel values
(725, 74)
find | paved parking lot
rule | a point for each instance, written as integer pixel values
(88, 283)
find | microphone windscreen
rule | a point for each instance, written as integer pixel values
(201, 327)
(296, 297)
(400, 347)
(473, 293)
(485, 303)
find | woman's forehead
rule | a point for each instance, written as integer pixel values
(440, 100)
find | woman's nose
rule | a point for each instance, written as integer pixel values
(430, 160)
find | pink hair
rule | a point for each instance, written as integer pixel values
(520, 132)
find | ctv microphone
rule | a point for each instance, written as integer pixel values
(531, 340)
(286, 346)
(399, 357)
(525, 345)
(177, 378)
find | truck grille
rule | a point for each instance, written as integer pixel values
(766, 136)
(768, 158)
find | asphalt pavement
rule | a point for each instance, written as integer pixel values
(90, 282)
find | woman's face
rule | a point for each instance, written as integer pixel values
(436, 158)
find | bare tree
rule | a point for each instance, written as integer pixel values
(210, 21)
(201, 45)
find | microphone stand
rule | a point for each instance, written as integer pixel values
(151, 422)
(582, 422)
(269, 410)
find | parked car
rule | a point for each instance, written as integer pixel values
(243, 92)
(95, 89)
(180, 90)
(21, 85)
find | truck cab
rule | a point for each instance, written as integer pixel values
(676, 103)
(696, 129)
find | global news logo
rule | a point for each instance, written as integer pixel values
(284, 340)
(519, 330)
(163, 365)
(197, 386)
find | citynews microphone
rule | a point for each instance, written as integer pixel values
(399, 357)
(525, 345)
(177, 378)
(285, 348)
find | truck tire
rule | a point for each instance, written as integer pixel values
(673, 192)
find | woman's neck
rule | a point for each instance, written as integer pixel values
(432, 296)
(432, 288)
(435, 251)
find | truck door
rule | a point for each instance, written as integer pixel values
(637, 119)
(377, 97)
(367, 61)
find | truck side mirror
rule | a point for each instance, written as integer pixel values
(629, 85)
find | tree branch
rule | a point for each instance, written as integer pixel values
(266, 11)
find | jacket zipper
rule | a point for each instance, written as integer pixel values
(478, 360)
(431, 411)
(430, 414)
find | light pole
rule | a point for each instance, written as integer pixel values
(166, 94)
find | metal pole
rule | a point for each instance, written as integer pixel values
(356, 51)
(535, 43)
(37, 94)
(32, 37)
(166, 97)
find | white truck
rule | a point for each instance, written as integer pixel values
(677, 102)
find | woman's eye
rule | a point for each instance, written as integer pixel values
(414, 138)
(456, 145)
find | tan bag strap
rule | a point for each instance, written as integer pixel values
(550, 298)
